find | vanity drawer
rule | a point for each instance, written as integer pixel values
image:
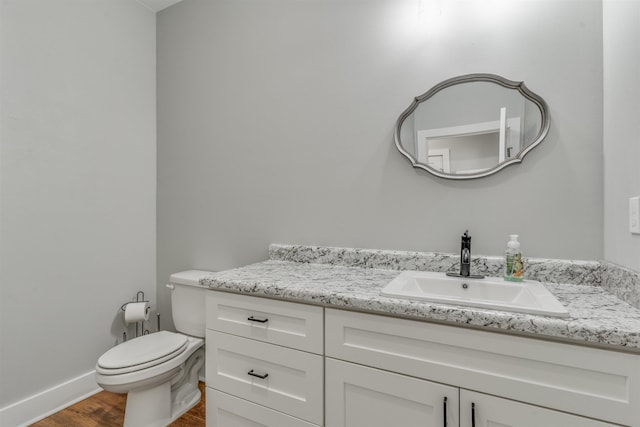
(224, 410)
(288, 324)
(292, 383)
(593, 382)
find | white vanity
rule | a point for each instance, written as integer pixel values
(316, 355)
(494, 372)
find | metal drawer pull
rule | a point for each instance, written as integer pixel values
(258, 319)
(255, 374)
(473, 414)
(444, 404)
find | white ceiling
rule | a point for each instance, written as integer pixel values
(157, 5)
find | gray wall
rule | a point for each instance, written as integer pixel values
(77, 175)
(621, 128)
(275, 124)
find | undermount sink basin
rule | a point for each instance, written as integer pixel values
(491, 292)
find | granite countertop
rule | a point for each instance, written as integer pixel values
(596, 317)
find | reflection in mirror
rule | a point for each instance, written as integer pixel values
(471, 126)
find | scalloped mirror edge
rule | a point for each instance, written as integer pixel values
(468, 78)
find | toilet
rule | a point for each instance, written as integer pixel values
(159, 372)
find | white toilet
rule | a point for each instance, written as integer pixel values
(159, 371)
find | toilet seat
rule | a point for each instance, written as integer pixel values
(141, 353)
(140, 378)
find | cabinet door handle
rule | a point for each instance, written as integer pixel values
(255, 374)
(258, 319)
(444, 406)
(473, 414)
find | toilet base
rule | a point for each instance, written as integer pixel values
(178, 410)
(147, 410)
(162, 404)
(149, 407)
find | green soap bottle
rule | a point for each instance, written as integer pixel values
(514, 265)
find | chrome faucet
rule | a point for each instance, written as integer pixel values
(465, 259)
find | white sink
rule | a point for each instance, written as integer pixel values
(491, 292)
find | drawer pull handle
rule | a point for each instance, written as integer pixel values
(257, 319)
(444, 405)
(473, 414)
(255, 374)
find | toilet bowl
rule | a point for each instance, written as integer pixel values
(159, 372)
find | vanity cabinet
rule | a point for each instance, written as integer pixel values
(264, 362)
(277, 363)
(584, 381)
(359, 396)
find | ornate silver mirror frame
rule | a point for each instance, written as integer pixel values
(470, 78)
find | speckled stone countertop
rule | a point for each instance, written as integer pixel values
(596, 317)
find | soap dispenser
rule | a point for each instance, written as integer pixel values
(514, 265)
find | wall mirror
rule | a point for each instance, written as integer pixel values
(471, 126)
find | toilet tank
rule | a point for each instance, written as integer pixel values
(188, 302)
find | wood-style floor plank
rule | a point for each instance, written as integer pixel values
(106, 409)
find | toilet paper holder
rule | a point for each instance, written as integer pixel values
(139, 298)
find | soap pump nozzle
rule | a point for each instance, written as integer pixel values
(513, 241)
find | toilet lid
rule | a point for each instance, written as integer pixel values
(144, 349)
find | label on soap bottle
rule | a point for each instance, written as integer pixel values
(514, 267)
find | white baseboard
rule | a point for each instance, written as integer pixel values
(45, 403)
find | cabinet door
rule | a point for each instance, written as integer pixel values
(358, 396)
(491, 411)
(224, 410)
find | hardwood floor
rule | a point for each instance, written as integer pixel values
(107, 410)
